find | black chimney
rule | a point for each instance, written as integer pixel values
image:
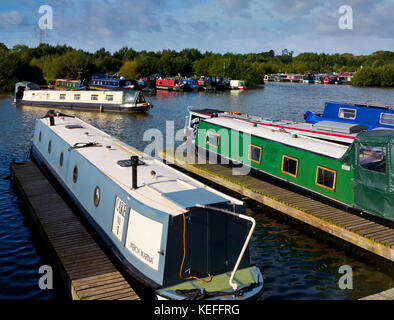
(134, 164)
(51, 115)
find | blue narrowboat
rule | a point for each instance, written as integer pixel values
(190, 84)
(107, 82)
(370, 115)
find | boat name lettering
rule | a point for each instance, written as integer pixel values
(138, 251)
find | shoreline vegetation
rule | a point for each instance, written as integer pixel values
(45, 63)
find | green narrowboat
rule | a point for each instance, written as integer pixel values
(360, 175)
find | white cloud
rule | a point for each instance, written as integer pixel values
(11, 19)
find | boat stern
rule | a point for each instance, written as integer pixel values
(250, 286)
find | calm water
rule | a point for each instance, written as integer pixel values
(295, 265)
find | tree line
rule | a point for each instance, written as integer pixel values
(45, 63)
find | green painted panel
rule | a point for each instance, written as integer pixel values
(235, 145)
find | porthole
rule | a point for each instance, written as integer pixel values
(61, 159)
(49, 146)
(96, 196)
(39, 137)
(75, 174)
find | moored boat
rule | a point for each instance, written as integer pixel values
(237, 85)
(149, 85)
(370, 115)
(167, 230)
(222, 84)
(108, 82)
(357, 176)
(190, 84)
(169, 84)
(68, 84)
(104, 101)
(326, 130)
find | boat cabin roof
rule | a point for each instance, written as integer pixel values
(280, 135)
(159, 185)
(361, 104)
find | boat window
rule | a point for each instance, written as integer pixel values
(77, 96)
(326, 178)
(255, 153)
(212, 139)
(373, 158)
(49, 146)
(387, 118)
(141, 98)
(290, 166)
(62, 96)
(96, 196)
(39, 137)
(130, 96)
(94, 97)
(61, 159)
(347, 113)
(109, 97)
(75, 174)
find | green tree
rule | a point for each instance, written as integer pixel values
(129, 70)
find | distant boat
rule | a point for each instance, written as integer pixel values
(271, 77)
(370, 115)
(169, 84)
(104, 101)
(68, 84)
(170, 232)
(209, 83)
(190, 84)
(317, 79)
(105, 82)
(222, 84)
(149, 86)
(237, 84)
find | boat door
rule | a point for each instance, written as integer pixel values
(373, 172)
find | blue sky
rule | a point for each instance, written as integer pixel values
(237, 26)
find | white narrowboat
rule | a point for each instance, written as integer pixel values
(103, 101)
(172, 233)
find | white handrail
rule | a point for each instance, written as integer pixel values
(242, 216)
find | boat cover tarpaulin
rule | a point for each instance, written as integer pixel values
(188, 198)
(373, 188)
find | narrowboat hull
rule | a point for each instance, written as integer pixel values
(87, 106)
(169, 88)
(143, 230)
(133, 272)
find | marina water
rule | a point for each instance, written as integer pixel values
(295, 265)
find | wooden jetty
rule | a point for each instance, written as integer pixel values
(385, 295)
(82, 265)
(355, 229)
